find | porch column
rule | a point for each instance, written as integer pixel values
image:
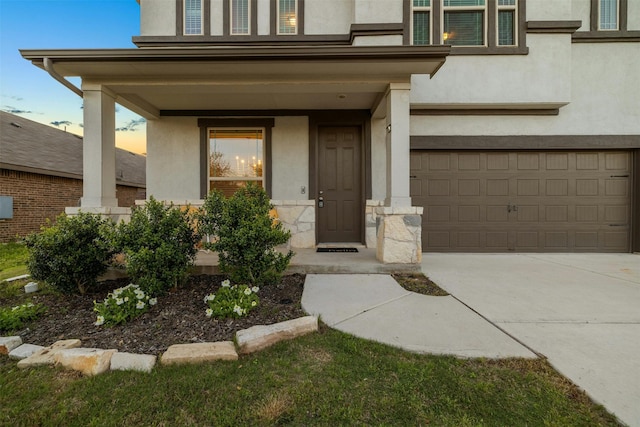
(99, 148)
(398, 116)
(398, 224)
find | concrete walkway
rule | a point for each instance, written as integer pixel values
(375, 307)
(580, 311)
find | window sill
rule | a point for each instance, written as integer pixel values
(489, 50)
(606, 37)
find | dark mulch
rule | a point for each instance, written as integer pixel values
(179, 317)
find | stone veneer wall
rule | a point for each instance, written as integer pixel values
(299, 217)
(399, 233)
(371, 225)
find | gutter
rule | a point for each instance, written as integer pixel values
(48, 66)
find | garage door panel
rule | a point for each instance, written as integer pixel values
(523, 201)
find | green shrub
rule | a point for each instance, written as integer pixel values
(245, 236)
(122, 304)
(13, 318)
(159, 246)
(72, 253)
(232, 301)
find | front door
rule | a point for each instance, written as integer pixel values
(339, 198)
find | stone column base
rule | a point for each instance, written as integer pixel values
(399, 234)
(299, 217)
(117, 214)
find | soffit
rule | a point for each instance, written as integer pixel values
(339, 77)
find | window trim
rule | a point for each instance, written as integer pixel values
(226, 21)
(184, 19)
(462, 9)
(623, 9)
(250, 123)
(594, 35)
(422, 9)
(491, 30)
(277, 19)
(514, 9)
(273, 17)
(205, 19)
(250, 12)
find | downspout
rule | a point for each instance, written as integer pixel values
(48, 66)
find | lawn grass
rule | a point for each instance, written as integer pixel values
(13, 260)
(328, 378)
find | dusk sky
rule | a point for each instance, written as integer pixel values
(30, 92)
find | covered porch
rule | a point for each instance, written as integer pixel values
(201, 84)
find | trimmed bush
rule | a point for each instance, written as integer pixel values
(245, 236)
(159, 246)
(72, 253)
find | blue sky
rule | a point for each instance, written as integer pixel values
(62, 24)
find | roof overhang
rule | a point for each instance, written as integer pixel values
(152, 80)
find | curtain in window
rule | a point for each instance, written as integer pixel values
(464, 28)
(192, 17)
(239, 16)
(287, 17)
(421, 29)
(505, 28)
(608, 14)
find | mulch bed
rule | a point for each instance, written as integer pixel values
(178, 318)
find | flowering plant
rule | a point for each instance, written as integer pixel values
(232, 301)
(122, 304)
(13, 318)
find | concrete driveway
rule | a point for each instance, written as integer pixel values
(581, 311)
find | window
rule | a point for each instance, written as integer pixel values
(421, 22)
(192, 17)
(506, 19)
(240, 17)
(463, 22)
(608, 14)
(287, 17)
(467, 24)
(236, 157)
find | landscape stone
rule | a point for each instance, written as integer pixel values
(259, 337)
(46, 356)
(9, 343)
(132, 362)
(24, 351)
(89, 361)
(199, 352)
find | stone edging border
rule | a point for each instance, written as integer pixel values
(94, 361)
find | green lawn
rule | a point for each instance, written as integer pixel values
(13, 260)
(328, 378)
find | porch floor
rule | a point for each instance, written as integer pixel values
(308, 261)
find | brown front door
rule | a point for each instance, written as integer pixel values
(339, 198)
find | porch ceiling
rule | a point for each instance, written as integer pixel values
(151, 80)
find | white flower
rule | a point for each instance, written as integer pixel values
(99, 321)
(126, 299)
(209, 297)
(117, 292)
(226, 283)
(255, 289)
(140, 305)
(238, 310)
(209, 312)
(119, 301)
(247, 291)
(153, 301)
(253, 303)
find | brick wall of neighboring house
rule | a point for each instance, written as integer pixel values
(37, 197)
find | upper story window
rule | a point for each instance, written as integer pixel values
(467, 24)
(464, 22)
(192, 24)
(240, 17)
(287, 16)
(608, 15)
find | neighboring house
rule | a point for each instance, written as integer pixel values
(41, 175)
(405, 125)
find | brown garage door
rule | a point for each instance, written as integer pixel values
(523, 201)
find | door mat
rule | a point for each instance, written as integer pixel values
(336, 250)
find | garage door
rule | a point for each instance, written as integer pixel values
(523, 201)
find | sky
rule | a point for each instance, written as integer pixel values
(30, 92)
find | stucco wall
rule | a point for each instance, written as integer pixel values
(581, 11)
(633, 16)
(216, 17)
(604, 100)
(290, 158)
(549, 10)
(328, 16)
(542, 77)
(157, 17)
(377, 11)
(173, 158)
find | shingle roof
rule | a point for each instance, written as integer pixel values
(29, 146)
